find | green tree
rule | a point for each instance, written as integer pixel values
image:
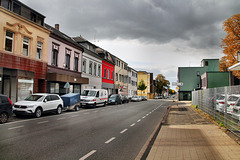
(161, 83)
(141, 86)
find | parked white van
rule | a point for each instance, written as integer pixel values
(94, 97)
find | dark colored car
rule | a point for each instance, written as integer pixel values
(144, 98)
(125, 99)
(5, 108)
(115, 99)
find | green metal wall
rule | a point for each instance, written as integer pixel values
(217, 79)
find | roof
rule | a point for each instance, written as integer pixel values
(63, 36)
(235, 67)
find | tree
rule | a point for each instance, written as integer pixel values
(231, 43)
(141, 86)
(160, 83)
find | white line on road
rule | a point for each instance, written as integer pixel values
(110, 140)
(139, 120)
(123, 131)
(147, 114)
(15, 127)
(132, 124)
(42, 122)
(61, 118)
(144, 117)
(74, 115)
(88, 155)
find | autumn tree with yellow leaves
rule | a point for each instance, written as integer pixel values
(231, 44)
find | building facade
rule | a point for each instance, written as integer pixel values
(132, 82)
(215, 79)
(121, 76)
(148, 80)
(91, 64)
(191, 77)
(64, 63)
(23, 50)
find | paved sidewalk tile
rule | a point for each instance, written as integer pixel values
(187, 135)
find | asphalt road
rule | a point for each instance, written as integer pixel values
(113, 132)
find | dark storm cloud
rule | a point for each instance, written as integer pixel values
(151, 21)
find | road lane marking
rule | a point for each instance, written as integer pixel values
(42, 122)
(61, 118)
(144, 117)
(123, 131)
(132, 124)
(74, 115)
(88, 155)
(139, 120)
(147, 114)
(15, 127)
(110, 140)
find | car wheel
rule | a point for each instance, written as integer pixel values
(116, 103)
(76, 108)
(94, 105)
(3, 117)
(59, 110)
(104, 104)
(38, 112)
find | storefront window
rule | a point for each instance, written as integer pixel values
(77, 89)
(54, 88)
(25, 88)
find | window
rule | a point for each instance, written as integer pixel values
(120, 77)
(54, 87)
(7, 4)
(116, 77)
(40, 21)
(95, 69)
(90, 67)
(84, 66)
(39, 50)
(9, 41)
(99, 70)
(108, 74)
(67, 66)
(105, 72)
(16, 8)
(26, 41)
(206, 63)
(55, 57)
(76, 63)
(33, 17)
(112, 75)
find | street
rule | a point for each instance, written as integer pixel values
(111, 132)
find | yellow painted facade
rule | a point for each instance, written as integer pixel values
(22, 27)
(146, 78)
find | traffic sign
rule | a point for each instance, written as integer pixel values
(67, 85)
(177, 83)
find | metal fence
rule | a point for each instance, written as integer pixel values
(222, 104)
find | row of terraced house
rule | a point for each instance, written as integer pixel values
(37, 58)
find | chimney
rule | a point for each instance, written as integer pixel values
(57, 27)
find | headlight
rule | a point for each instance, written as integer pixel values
(30, 106)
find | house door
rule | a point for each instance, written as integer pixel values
(6, 86)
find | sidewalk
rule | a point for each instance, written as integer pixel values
(188, 135)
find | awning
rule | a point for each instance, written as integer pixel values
(66, 78)
(235, 67)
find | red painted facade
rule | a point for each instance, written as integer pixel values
(109, 68)
(25, 64)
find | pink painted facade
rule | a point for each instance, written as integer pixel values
(62, 53)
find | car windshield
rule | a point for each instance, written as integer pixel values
(85, 93)
(135, 97)
(91, 93)
(221, 98)
(112, 96)
(232, 98)
(34, 98)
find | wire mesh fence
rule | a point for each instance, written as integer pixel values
(222, 104)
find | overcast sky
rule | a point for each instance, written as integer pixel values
(157, 36)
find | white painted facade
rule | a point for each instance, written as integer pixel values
(132, 82)
(91, 69)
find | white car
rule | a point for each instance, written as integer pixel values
(38, 103)
(236, 110)
(136, 99)
(220, 103)
(232, 99)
